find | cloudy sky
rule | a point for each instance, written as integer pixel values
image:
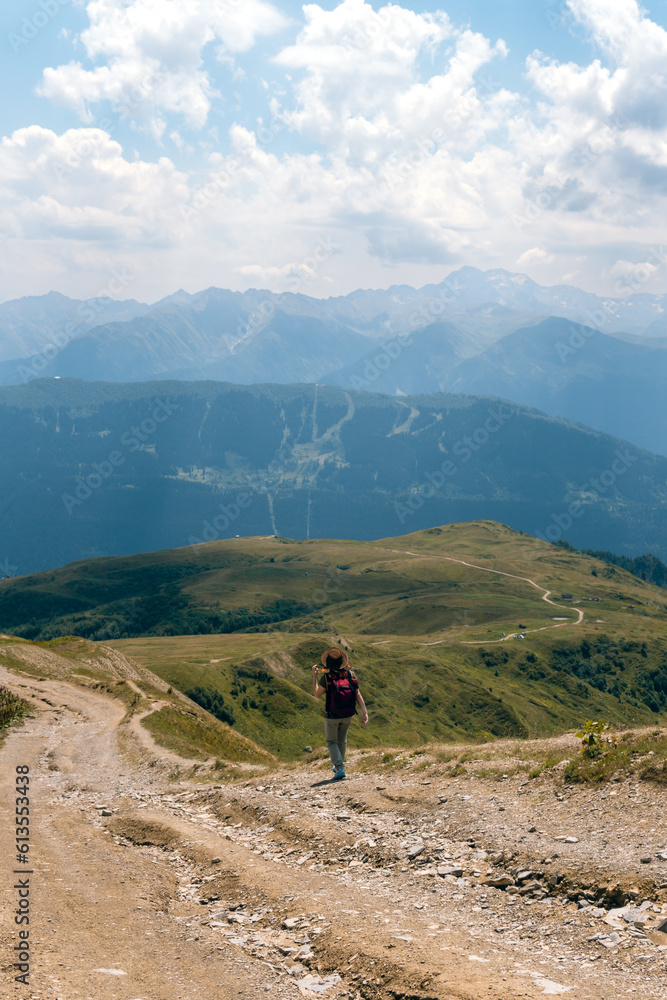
(188, 143)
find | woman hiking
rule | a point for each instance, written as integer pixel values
(342, 697)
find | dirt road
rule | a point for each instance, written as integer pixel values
(143, 888)
(546, 596)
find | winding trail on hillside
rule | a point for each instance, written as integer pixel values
(514, 576)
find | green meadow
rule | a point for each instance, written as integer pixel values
(424, 635)
(238, 624)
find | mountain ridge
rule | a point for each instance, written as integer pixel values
(106, 468)
(635, 313)
(475, 332)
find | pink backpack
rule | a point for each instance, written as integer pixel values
(341, 700)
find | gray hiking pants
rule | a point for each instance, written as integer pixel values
(335, 733)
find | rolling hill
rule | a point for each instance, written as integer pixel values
(422, 615)
(175, 721)
(92, 469)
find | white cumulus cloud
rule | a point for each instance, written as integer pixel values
(72, 207)
(536, 255)
(389, 137)
(149, 56)
(362, 87)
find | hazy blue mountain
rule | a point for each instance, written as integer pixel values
(578, 373)
(290, 349)
(29, 325)
(166, 340)
(188, 332)
(514, 296)
(184, 343)
(658, 328)
(615, 384)
(416, 363)
(634, 313)
(479, 332)
(97, 469)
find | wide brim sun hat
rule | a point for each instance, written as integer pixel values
(335, 653)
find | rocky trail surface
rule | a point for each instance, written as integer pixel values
(399, 883)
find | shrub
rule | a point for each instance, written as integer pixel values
(592, 741)
(11, 707)
(213, 702)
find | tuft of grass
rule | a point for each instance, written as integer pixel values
(11, 707)
(642, 756)
(654, 771)
(425, 765)
(495, 773)
(454, 772)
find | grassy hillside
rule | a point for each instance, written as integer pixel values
(421, 615)
(411, 585)
(175, 722)
(424, 632)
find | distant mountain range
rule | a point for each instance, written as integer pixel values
(613, 384)
(491, 333)
(91, 469)
(31, 325)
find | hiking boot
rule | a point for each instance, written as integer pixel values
(339, 773)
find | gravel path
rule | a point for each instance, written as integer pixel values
(412, 884)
